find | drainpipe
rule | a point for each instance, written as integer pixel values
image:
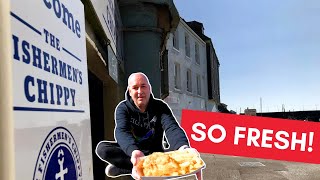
(7, 166)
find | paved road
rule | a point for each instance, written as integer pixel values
(221, 167)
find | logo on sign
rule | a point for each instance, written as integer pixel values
(59, 157)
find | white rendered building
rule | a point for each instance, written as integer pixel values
(187, 71)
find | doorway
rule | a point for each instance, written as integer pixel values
(97, 122)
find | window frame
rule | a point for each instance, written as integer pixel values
(189, 80)
(177, 75)
(198, 77)
(187, 45)
(196, 53)
(175, 40)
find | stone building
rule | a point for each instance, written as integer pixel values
(212, 67)
(123, 36)
(187, 71)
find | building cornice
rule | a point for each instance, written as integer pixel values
(195, 35)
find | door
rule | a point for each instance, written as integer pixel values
(97, 122)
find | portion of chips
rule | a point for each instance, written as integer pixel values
(174, 163)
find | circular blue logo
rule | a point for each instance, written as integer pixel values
(59, 157)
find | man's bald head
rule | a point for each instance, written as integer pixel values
(132, 78)
(139, 89)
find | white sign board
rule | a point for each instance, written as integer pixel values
(50, 88)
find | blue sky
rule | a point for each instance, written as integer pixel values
(267, 48)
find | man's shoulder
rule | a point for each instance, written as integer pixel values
(122, 105)
(159, 103)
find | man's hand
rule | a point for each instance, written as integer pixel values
(135, 156)
(189, 149)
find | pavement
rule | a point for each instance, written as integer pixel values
(220, 167)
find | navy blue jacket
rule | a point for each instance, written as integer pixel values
(144, 131)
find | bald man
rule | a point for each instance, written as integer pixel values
(141, 121)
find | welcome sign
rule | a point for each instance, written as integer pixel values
(50, 90)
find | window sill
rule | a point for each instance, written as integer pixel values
(175, 49)
(188, 58)
(189, 93)
(177, 90)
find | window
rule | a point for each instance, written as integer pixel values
(189, 81)
(175, 39)
(197, 57)
(187, 44)
(198, 85)
(176, 75)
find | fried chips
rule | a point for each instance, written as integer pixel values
(174, 163)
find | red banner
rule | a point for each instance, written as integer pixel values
(252, 136)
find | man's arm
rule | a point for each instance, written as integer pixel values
(174, 133)
(123, 133)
